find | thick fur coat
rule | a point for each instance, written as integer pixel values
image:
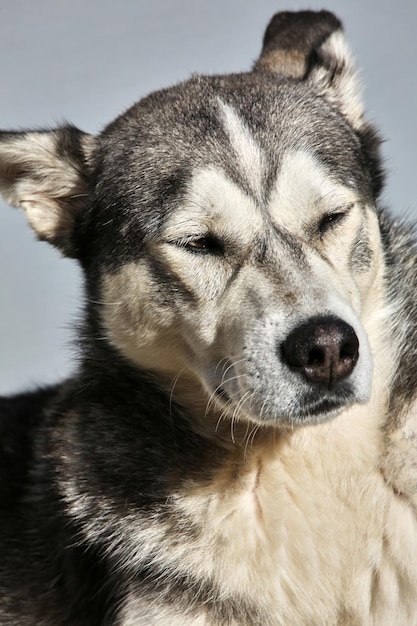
(238, 443)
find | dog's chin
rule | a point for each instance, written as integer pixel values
(311, 412)
(314, 414)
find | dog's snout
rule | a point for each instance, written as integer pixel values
(323, 349)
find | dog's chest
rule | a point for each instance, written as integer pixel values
(301, 541)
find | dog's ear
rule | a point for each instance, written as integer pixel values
(310, 46)
(46, 173)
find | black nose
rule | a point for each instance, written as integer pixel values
(323, 349)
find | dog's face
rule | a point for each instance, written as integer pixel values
(229, 236)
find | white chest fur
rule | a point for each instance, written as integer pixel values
(306, 529)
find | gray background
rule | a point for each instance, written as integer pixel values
(85, 61)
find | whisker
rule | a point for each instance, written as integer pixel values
(236, 411)
(232, 364)
(103, 302)
(251, 437)
(172, 388)
(211, 400)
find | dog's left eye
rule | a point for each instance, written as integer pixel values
(329, 221)
(202, 245)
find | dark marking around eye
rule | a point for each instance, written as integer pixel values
(330, 220)
(170, 283)
(207, 244)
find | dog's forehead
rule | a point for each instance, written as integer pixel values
(262, 134)
(205, 117)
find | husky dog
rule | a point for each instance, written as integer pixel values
(238, 444)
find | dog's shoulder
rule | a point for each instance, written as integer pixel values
(20, 416)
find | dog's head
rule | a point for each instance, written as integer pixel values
(226, 227)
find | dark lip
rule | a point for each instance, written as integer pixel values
(311, 410)
(323, 408)
(305, 416)
(318, 402)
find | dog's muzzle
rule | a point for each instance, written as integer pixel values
(302, 375)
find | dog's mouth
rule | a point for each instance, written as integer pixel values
(313, 408)
(319, 411)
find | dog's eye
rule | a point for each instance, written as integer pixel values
(203, 245)
(329, 221)
(198, 245)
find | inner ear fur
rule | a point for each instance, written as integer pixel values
(310, 46)
(46, 172)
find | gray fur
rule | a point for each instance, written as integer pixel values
(238, 444)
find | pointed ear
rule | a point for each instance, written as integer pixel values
(310, 46)
(47, 173)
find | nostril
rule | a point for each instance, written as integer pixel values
(323, 349)
(350, 349)
(316, 356)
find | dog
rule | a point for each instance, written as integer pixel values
(238, 443)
